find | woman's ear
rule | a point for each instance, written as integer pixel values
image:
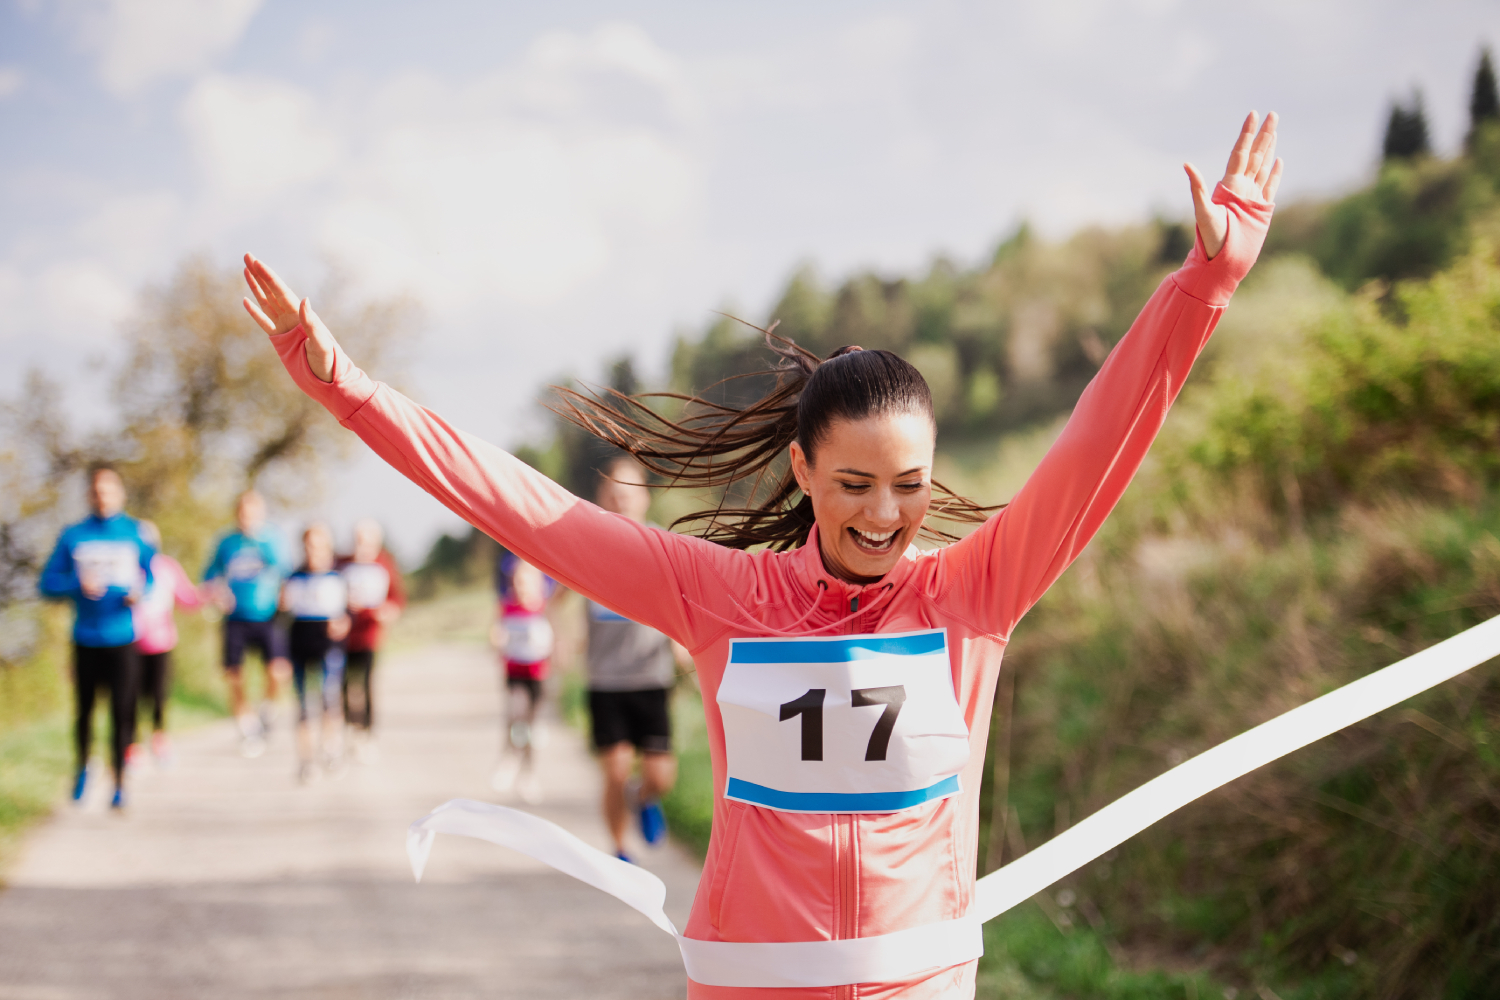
(801, 469)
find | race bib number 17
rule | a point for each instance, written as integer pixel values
(849, 724)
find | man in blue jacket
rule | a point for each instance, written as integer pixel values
(249, 566)
(102, 564)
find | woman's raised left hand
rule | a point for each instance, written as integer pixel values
(1253, 171)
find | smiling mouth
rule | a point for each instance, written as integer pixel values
(876, 543)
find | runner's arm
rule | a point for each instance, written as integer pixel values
(183, 592)
(1005, 567)
(59, 577)
(643, 573)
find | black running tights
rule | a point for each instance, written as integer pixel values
(118, 667)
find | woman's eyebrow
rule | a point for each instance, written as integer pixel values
(870, 475)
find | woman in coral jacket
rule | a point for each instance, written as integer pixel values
(847, 680)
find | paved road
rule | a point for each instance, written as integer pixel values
(229, 880)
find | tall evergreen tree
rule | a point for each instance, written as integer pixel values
(1406, 130)
(1484, 101)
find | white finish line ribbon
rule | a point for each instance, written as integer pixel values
(936, 946)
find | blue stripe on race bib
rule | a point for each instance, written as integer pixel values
(842, 802)
(863, 647)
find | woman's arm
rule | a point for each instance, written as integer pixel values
(1001, 570)
(641, 572)
(183, 592)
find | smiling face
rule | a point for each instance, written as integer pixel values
(870, 482)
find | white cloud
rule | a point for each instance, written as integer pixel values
(522, 184)
(255, 139)
(142, 41)
(11, 81)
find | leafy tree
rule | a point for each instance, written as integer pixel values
(1406, 134)
(1484, 99)
(202, 410)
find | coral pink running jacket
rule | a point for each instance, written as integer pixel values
(787, 876)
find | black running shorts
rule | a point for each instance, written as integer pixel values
(263, 637)
(637, 717)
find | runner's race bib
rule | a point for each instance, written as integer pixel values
(112, 564)
(369, 584)
(246, 564)
(316, 597)
(850, 724)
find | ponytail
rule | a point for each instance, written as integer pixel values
(740, 451)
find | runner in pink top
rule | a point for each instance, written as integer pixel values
(156, 635)
(847, 682)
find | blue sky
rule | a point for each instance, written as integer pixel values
(560, 183)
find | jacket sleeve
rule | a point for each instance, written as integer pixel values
(146, 551)
(215, 567)
(644, 573)
(1000, 571)
(397, 593)
(183, 592)
(59, 577)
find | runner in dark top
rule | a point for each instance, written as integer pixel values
(318, 600)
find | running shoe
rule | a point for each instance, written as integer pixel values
(653, 822)
(133, 755)
(118, 802)
(252, 746)
(80, 784)
(624, 857)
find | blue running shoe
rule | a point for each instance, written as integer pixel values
(118, 802)
(80, 784)
(624, 857)
(653, 822)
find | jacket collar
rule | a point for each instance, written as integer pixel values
(807, 565)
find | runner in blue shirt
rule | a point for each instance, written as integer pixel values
(102, 564)
(246, 574)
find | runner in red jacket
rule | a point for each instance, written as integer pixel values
(847, 682)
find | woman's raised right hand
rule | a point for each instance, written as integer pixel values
(277, 310)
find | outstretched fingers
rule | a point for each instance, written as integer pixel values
(1239, 156)
(258, 314)
(1263, 152)
(1273, 182)
(278, 295)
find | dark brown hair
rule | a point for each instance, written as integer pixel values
(740, 450)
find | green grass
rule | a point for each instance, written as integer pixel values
(690, 806)
(36, 761)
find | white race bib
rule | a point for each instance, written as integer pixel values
(848, 724)
(110, 563)
(369, 584)
(314, 598)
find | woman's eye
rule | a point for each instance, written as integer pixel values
(910, 487)
(856, 487)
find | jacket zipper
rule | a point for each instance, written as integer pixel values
(845, 833)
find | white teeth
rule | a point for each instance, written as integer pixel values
(871, 538)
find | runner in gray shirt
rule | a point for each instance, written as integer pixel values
(631, 669)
